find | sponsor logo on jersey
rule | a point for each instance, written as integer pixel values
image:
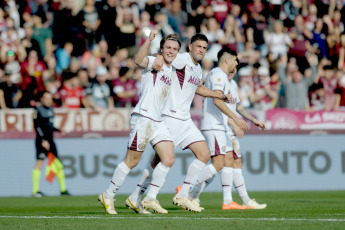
(166, 80)
(194, 80)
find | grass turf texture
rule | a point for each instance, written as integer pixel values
(286, 210)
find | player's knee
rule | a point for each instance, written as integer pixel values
(131, 162)
(218, 163)
(204, 157)
(168, 161)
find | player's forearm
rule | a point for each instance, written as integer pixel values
(231, 122)
(206, 92)
(142, 53)
(224, 108)
(244, 113)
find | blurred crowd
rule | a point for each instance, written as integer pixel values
(292, 52)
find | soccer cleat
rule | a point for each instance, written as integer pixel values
(255, 205)
(153, 205)
(38, 194)
(136, 207)
(107, 203)
(196, 203)
(65, 193)
(185, 203)
(233, 206)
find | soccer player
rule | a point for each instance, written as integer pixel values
(147, 126)
(176, 114)
(44, 127)
(214, 126)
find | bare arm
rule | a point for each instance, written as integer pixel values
(225, 109)
(245, 114)
(140, 58)
(2, 100)
(206, 92)
(239, 132)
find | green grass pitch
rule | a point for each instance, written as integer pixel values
(286, 210)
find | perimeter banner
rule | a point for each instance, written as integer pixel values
(270, 163)
(304, 120)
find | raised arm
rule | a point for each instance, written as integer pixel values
(282, 64)
(313, 65)
(140, 59)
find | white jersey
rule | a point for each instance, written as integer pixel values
(155, 87)
(232, 89)
(212, 117)
(186, 80)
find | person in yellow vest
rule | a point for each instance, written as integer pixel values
(45, 146)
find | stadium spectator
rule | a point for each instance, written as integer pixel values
(103, 52)
(31, 83)
(277, 41)
(245, 86)
(265, 94)
(300, 38)
(329, 80)
(101, 96)
(29, 43)
(215, 36)
(126, 92)
(9, 93)
(341, 62)
(72, 94)
(177, 17)
(340, 94)
(43, 35)
(63, 57)
(295, 84)
(11, 58)
(145, 27)
(233, 38)
(221, 9)
(316, 97)
(90, 22)
(319, 39)
(127, 20)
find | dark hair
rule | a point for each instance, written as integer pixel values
(173, 37)
(123, 71)
(199, 37)
(227, 50)
(328, 67)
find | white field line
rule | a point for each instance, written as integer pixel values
(172, 217)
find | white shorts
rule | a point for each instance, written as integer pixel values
(218, 141)
(183, 132)
(236, 146)
(145, 131)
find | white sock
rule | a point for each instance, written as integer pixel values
(158, 178)
(227, 177)
(206, 173)
(192, 174)
(119, 176)
(240, 186)
(198, 189)
(143, 184)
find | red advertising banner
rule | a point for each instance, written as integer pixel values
(303, 120)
